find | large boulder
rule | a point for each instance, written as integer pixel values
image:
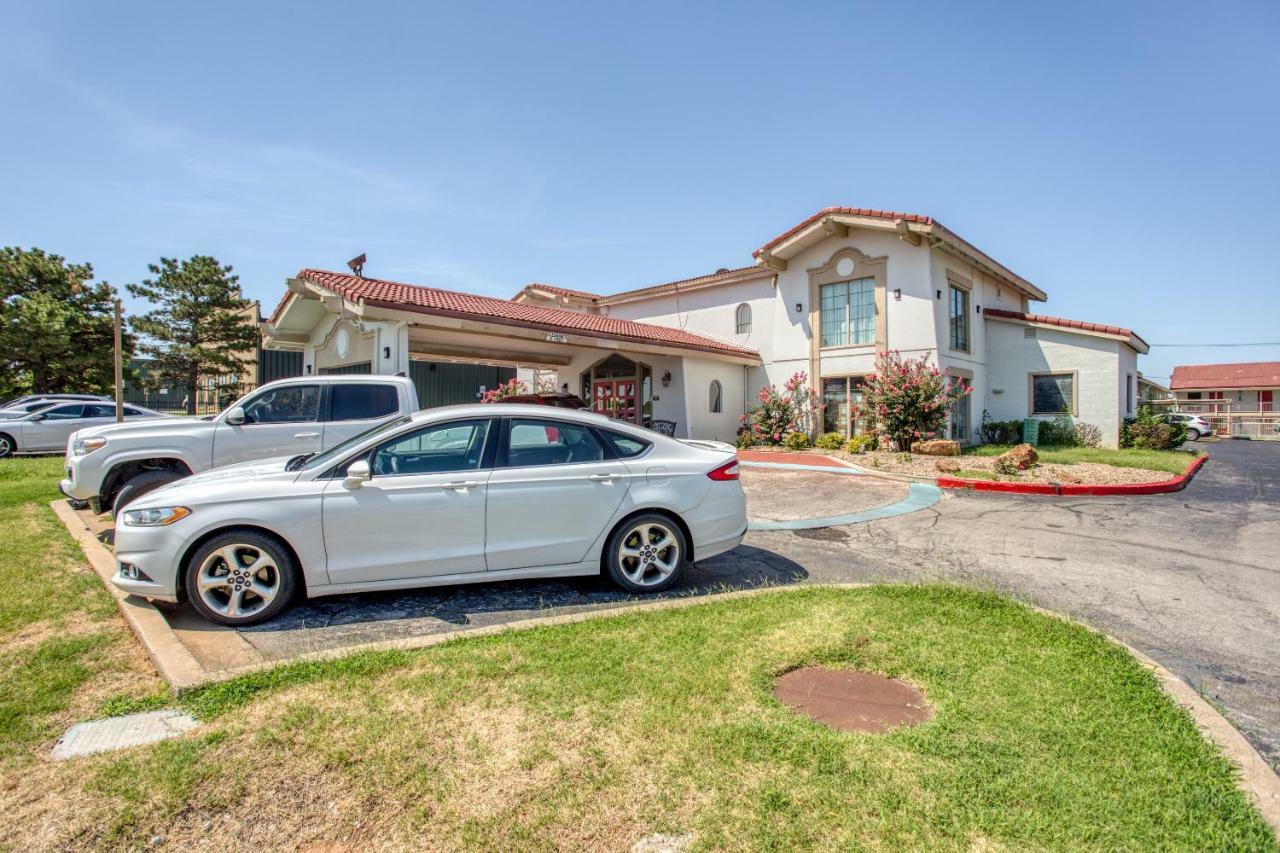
(936, 447)
(1021, 457)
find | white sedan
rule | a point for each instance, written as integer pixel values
(47, 429)
(451, 495)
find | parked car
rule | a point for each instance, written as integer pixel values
(1197, 427)
(47, 429)
(111, 465)
(559, 401)
(446, 496)
(30, 403)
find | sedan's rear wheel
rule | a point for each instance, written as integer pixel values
(6, 446)
(240, 578)
(1193, 435)
(646, 554)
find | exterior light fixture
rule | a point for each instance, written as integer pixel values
(939, 294)
(308, 370)
(386, 352)
(978, 309)
(799, 307)
(666, 379)
(897, 294)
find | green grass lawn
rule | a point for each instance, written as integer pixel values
(599, 733)
(1172, 461)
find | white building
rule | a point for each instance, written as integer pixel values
(824, 297)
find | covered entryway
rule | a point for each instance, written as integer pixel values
(620, 388)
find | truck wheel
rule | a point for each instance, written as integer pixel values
(6, 446)
(139, 484)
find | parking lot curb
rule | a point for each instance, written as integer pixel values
(170, 657)
(1176, 484)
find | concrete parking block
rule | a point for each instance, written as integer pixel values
(121, 732)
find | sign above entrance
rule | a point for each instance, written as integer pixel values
(557, 338)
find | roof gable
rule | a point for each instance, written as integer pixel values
(1132, 338)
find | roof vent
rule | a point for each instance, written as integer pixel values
(722, 270)
(1029, 332)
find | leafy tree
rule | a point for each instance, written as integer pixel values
(908, 399)
(781, 412)
(198, 327)
(55, 326)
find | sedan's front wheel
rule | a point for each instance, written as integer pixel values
(646, 554)
(241, 577)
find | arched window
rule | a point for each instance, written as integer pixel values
(744, 319)
(716, 403)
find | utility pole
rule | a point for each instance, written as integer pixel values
(119, 359)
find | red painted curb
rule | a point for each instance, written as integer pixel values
(1177, 484)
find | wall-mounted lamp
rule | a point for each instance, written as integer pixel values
(666, 379)
(308, 370)
(978, 308)
(799, 307)
(939, 294)
(386, 352)
(897, 294)
(564, 388)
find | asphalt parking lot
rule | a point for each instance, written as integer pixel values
(1191, 578)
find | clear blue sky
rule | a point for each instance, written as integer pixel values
(1122, 156)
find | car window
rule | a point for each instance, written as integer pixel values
(131, 412)
(624, 445)
(285, 405)
(99, 411)
(362, 401)
(62, 413)
(543, 442)
(437, 449)
(321, 459)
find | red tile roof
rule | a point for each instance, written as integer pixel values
(451, 303)
(890, 215)
(1066, 324)
(562, 291)
(688, 282)
(1249, 374)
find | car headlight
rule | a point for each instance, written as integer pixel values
(83, 446)
(160, 516)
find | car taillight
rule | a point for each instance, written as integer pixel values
(727, 471)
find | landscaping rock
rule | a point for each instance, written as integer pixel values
(1063, 476)
(947, 466)
(1021, 457)
(936, 447)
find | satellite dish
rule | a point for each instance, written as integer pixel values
(356, 265)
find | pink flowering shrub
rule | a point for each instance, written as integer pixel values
(781, 412)
(907, 399)
(514, 388)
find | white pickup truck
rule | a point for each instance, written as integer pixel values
(108, 466)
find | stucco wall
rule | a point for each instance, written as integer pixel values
(699, 373)
(1095, 361)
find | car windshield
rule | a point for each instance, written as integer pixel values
(322, 459)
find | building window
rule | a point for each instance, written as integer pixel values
(958, 318)
(842, 404)
(743, 318)
(1053, 393)
(1128, 393)
(717, 403)
(848, 311)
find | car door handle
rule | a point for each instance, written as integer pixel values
(604, 478)
(306, 435)
(465, 484)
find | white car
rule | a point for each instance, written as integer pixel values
(458, 494)
(30, 403)
(1197, 427)
(46, 430)
(111, 465)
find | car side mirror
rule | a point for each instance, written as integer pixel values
(235, 415)
(357, 474)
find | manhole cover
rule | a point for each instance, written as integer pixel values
(851, 700)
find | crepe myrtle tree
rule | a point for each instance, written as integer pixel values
(907, 399)
(778, 413)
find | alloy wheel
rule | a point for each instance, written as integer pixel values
(238, 580)
(649, 553)
(6, 446)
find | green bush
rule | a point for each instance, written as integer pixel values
(860, 443)
(1000, 432)
(830, 441)
(745, 439)
(796, 441)
(1059, 432)
(1152, 430)
(1087, 435)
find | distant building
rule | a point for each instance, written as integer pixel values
(1252, 386)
